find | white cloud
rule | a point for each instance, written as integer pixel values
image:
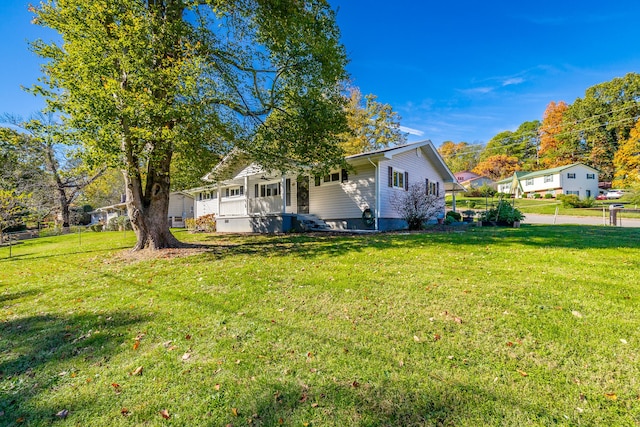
(512, 81)
(411, 131)
(478, 90)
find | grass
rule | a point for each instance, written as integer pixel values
(522, 327)
(549, 206)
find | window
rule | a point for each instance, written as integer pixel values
(398, 178)
(234, 191)
(548, 178)
(332, 177)
(571, 176)
(270, 190)
(577, 193)
(432, 187)
(337, 176)
(529, 181)
(591, 176)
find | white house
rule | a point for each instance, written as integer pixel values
(577, 178)
(181, 207)
(246, 198)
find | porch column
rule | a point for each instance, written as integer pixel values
(246, 195)
(219, 194)
(453, 201)
(284, 194)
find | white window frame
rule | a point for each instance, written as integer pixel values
(548, 178)
(398, 179)
(234, 192)
(529, 181)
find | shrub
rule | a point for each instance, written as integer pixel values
(549, 196)
(482, 191)
(573, 201)
(97, 227)
(537, 196)
(455, 215)
(416, 206)
(206, 223)
(503, 212)
(119, 223)
(190, 224)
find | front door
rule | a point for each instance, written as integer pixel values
(303, 194)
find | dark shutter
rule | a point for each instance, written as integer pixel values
(438, 189)
(426, 186)
(287, 185)
(406, 181)
(316, 181)
(226, 192)
(257, 190)
(390, 176)
(242, 189)
(345, 175)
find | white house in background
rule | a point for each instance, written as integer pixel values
(181, 206)
(577, 178)
(247, 198)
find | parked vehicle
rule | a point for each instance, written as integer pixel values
(601, 197)
(613, 194)
(616, 206)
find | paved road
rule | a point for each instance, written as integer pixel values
(582, 220)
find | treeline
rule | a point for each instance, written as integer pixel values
(601, 130)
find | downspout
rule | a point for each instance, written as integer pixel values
(377, 204)
(284, 194)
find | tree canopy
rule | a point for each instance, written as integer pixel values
(140, 81)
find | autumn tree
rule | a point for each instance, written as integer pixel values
(627, 160)
(521, 143)
(460, 156)
(498, 167)
(372, 124)
(598, 123)
(143, 80)
(554, 150)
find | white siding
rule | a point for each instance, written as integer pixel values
(585, 187)
(341, 200)
(180, 205)
(419, 167)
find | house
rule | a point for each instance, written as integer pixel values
(247, 198)
(577, 178)
(181, 206)
(471, 180)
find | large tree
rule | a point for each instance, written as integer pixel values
(521, 143)
(372, 124)
(460, 156)
(498, 166)
(554, 149)
(627, 160)
(142, 80)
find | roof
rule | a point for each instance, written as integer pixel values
(532, 174)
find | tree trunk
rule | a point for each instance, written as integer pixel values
(148, 209)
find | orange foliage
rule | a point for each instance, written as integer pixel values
(549, 130)
(497, 167)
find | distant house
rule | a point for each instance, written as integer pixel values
(181, 207)
(577, 178)
(471, 180)
(247, 198)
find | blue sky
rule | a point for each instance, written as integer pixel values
(460, 71)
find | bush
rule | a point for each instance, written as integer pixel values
(549, 196)
(119, 223)
(537, 196)
(454, 215)
(416, 206)
(503, 212)
(482, 191)
(190, 224)
(573, 201)
(206, 223)
(97, 227)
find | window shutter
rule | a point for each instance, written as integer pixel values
(438, 188)
(257, 190)
(317, 181)
(288, 195)
(426, 186)
(406, 181)
(242, 189)
(390, 176)
(345, 175)
(263, 190)
(226, 192)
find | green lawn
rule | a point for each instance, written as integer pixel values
(534, 326)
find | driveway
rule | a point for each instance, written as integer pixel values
(581, 220)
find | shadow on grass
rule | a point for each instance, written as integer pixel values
(313, 245)
(32, 347)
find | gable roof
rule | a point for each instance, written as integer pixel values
(520, 175)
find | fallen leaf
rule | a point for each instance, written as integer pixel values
(167, 343)
(136, 344)
(217, 386)
(509, 344)
(137, 371)
(436, 337)
(457, 320)
(165, 414)
(63, 414)
(186, 356)
(304, 398)
(20, 420)
(234, 411)
(355, 384)
(416, 338)
(125, 412)
(611, 396)
(521, 372)
(187, 337)
(623, 341)
(314, 405)
(116, 387)
(576, 313)
(280, 421)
